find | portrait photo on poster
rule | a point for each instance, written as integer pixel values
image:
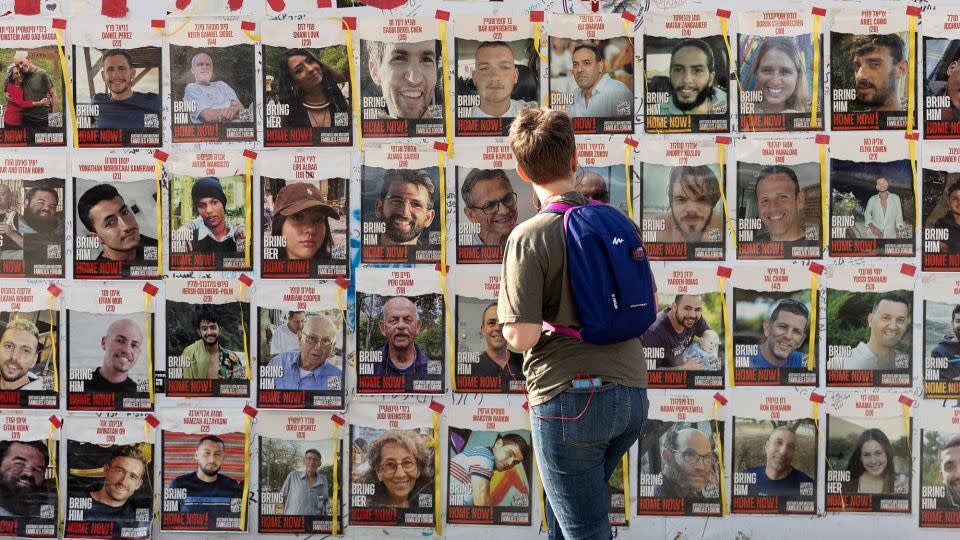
(491, 202)
(489, 476)
(31, 227)
(774, 466)
(117, 96)
(115, 228)
(485, 363)
(208, 223)
(771, 343)
(33, 100)
(941, 88)
(678, 473)
(213, 93)
(941, 348)
(400, 343)
(872, 210)
(939, 470)
(392, 476)
(868, 465)
(26, 366)
(399, 210)
(307, 96)
(206, 352)
(681, 211)
(301, 359)
(109, 490)
(592, 80)
(868, 79)
(941, 220)
(107, 361)
(495, 80)
(305, 227)
(29, 502)
(203, 481)
(686, 338)
(296, 489)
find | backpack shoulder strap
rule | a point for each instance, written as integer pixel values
(557, 208)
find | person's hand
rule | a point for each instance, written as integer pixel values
(6, 228)
(875, 230)
(8, 96)
(45, 102)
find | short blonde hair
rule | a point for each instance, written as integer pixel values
(542, 141)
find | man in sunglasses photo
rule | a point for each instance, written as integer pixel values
(490, 202)
(783, 334)
(311, 366)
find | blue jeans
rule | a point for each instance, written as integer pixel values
(577, 457)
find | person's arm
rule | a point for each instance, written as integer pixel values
(481, 491)
(15, 95)
(284, 493)
(520, 305)
(898, 216)
(53, 95)
(870, 217)
(522, 336)
(12, 233)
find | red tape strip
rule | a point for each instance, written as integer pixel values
(440, 146)
(817, 397)
(720, 398)
(338, 420)
(246, 280)
(823, 139)
(723, 13)
(158, 23)
(54, 290)
(913, 11)
(724, 271)
(905, 400)
(60, 24)
(250, 411)
(234, 4)
(343, 283)
(26, 7)
(908, 269)
(55, 420)
(818, 11)
(247, 153)
(722, 139)
(114, 8)
(278, 5)
(536, 16)
(152, 420)
(349, 23)
(437, 268)
(161, 155)
(248, 26)
(631, 142)
(442, 15)
(817, 268)
(436, 406)
(629, 16)
(151, 289)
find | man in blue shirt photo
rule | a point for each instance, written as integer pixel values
(778, 477)
(206, 490)
(784, 332)
(400, 324)
(311, 366)
(120, 106)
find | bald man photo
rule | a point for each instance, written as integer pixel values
(312, 364)
(400, 325)
(121, 349)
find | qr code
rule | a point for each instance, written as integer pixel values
(713, 235)
(434, 111)
(53, 251)
(143, 386)
(55, 119)
(151, 121)
(150, 253)
(340, 119)
(339, 251)
(901, 361)
(806, 489)
(616, 500)
(47, 511)
(624, 107)
(434, 367)
(143, 515)
(425, 500)
(811, 233)
(334, 382)
(46, 383)
(246, 115)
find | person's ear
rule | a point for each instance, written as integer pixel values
(374, 69)
(902, 68)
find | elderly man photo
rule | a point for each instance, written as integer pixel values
(310, 366)
(889, 321)
(400, 325)
(406, 74)
(37, 85)
(306, 492)
(490, 202)
(495, 74)
(213, 101)
(286, 337)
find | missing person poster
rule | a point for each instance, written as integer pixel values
(31, 215)
(941, 337)
(775, 456)
(591, 61)
(306, 83)
(870, 335)
(678, 454)
(491, 200)
(868, 453)
(305, 204)
(117, 83)
(489, 465)
(392, 465)
(498, 72)
(208, 327)
(774, 329)
(110, 348)
(618, 501)
(302, 344)
(212, 81)
(941, 75)
(208, 211)
(401, 332)
(680, 208)
(110, 485)
(400, 204)
(33, 102)
(116, 215)
(30, 317)
(602, 174)
(485, 362)
(686, 346)
(29, 502)
(402, 77)
(778, 199)
(299, 488)
(869, 68)
(777, 80)
(941, 205)
(204, 466)
(872, 209)
(687, 73)
(939, 468)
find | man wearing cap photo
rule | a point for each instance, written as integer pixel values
(301, 224)
(213, 232)
(107, 217)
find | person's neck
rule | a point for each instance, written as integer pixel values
(315, 96)
(491, 238)
(588, 92)
(795, 233)
(14, 385)
(204, 477)
(554, 188)
(778, 475)
(387, 241)
(311, 475)
(956, 218)
(768, 355)
(403, 358)
(880, 351)
(884, 195)
(677, 325)
(120, 97)
(220, 231)
(495, 109)
(499, 356)
(215, 348)
(112, 375)
(119, 255)
(101, 498)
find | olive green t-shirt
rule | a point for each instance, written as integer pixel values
(535, 287)
(35, 87)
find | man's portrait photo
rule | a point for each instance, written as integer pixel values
(296, 478)
(403, 78)
(941, 211)
(204, 474)
(874, 330)
(682, 204)
(32, 91)
(686, 76)
(786, 201)
(686, 333)
(878, 199)
(495, 79)
(482, 350)
(109, 352)
(207, 216)
(941, 87)
(205, 341)
(26, 352)
(941, 339)
(116, 222)
(681, 458)
(402, 206)
(773, 328)
(315, 361)
(120, 88)
(597, 79)
(27, 484)
(112, 483)
(775, 459)
(875, 66)
(940, 471)
(489, 468)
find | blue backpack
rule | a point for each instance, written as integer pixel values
(609, 272)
